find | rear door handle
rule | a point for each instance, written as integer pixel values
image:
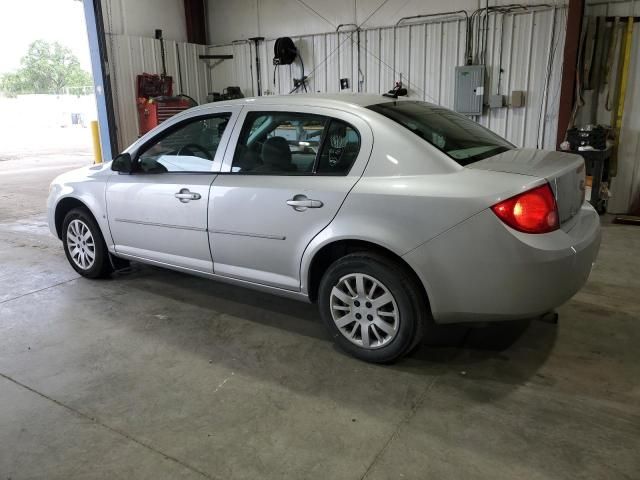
(300, 203)
(185, 196)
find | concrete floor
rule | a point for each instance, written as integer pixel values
(154, 374)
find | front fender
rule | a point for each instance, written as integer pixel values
(90, 191)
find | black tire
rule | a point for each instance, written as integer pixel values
(100, 266)
(410, 301)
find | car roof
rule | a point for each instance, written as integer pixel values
(336, 100)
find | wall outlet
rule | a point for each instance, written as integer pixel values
(517, 98)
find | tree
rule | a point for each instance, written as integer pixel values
(46, 68)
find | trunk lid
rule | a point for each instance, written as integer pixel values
(565, 173)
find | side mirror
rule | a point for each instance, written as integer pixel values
(122, 163)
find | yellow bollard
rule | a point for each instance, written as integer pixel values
(95, 134)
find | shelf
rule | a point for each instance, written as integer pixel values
(216, 57)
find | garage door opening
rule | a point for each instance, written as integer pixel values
(46, 92)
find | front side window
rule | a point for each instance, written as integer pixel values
(459, 137)
(189, 147)
(287, 143)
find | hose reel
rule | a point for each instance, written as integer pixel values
(284, 51)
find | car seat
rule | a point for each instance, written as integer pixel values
(276, 156)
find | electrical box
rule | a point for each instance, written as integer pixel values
(517, 98)
(469, 92)
(496, 101)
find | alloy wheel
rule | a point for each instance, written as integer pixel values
(81, 244)
(364, 310)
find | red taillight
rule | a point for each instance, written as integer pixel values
(534, 211)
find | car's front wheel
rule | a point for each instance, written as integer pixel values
(84, 245)
(372, 307)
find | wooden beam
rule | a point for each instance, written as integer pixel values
(195, 16)
(569, 67)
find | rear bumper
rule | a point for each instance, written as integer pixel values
(482, 270)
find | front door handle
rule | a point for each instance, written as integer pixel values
(300, 203)
(185, 196)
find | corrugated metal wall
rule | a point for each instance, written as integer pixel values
(530, 45)
(130, 56)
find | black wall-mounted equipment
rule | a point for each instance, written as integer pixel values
(284, 51)
(397, 91)
(256, 41)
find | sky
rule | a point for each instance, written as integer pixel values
(23, 21)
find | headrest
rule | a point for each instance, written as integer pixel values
(276, 152)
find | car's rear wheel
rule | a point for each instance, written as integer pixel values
(84, 245)
(372, 307)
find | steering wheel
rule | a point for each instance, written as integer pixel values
(150, 165)
(190, 147)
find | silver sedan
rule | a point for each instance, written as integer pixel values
(390, 214)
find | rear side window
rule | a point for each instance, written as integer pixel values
(279, 143)
(288, 143)
(462, 139)
(340, 149)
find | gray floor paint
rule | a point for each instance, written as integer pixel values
(154, 374)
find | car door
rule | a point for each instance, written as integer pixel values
(159, 211)
(286, 173)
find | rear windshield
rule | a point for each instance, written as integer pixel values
(460, 138)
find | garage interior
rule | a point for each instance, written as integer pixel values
(156, 374)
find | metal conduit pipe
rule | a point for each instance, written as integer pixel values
(357, 30)
(429, 15)
(347, 25)
(456, 15)
(480, 17)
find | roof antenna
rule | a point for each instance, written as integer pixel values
(397, 90)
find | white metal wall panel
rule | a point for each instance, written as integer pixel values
(243, 55)
(306, 48)
(130, 56)
(552, 95)
(417, 58)
(371, 61)
(345, 59)
(318, 79)
(425, 54)
(222, 73)
(495, 118)
(401, 56)
(331, 63)
(387, 49)
(531, 45)
(449, 60)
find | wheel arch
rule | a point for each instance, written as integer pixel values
(64, 206)
(332, 251)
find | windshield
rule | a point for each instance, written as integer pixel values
(460, 138)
